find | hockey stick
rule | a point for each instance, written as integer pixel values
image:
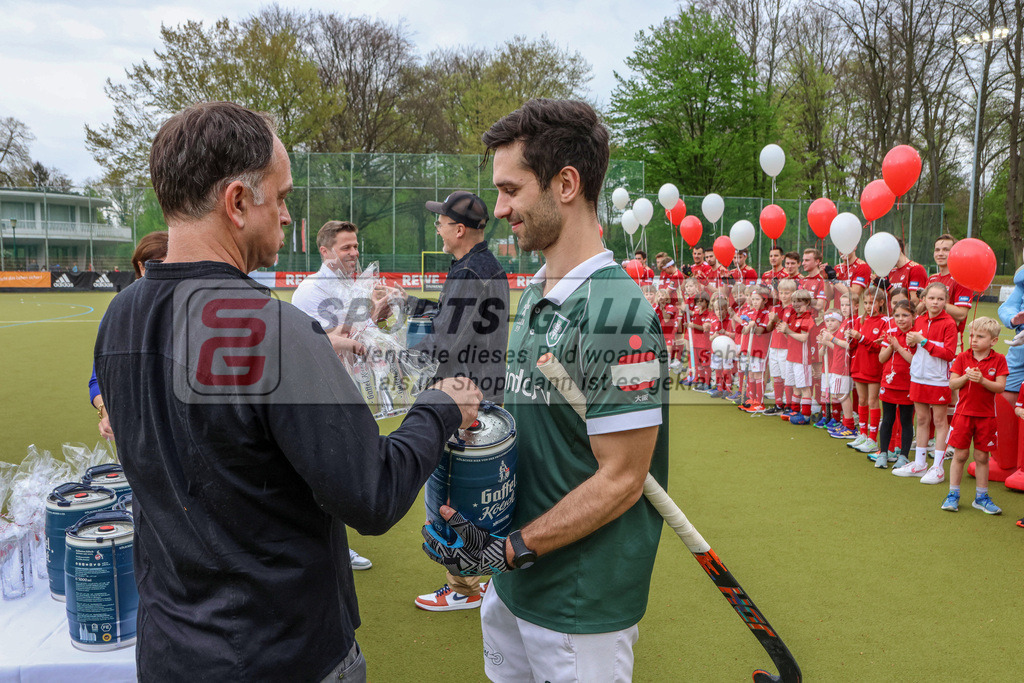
(789, 671)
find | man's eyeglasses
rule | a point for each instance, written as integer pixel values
(438, 224)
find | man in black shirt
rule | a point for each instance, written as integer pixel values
(247, 445)
(470, 336)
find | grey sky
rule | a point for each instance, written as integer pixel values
(55, 56)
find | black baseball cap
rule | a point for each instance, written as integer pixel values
(462, 207)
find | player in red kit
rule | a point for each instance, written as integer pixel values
(980, 376)
(909, 274)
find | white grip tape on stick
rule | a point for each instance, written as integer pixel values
(552, 369)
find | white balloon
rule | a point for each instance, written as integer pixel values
(772, 160)
(620, 198)
(643, 210)
(713, 207)
(725, 348)
(629, 222)
(882, 251)
(668, 195)
(845, 232)
(742, 234)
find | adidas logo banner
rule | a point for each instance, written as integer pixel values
(64, 282)
(103, 282)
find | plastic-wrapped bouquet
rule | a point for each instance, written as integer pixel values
(388, 375)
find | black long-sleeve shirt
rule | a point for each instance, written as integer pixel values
(471, 326)
(246, 461)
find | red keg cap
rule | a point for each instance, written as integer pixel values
(106, 528)
(475, 425)
(113, 475)
(81, 495)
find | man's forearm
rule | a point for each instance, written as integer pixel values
(597, 501)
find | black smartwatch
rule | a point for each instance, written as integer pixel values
(522, 557)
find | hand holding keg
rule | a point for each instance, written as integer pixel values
(465, 394)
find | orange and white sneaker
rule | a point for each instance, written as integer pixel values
(445, 599)
(754, 408)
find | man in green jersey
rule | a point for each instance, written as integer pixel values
(585, 539)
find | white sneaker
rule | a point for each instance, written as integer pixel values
(857, 442)
(357, 561)
(934, 475)
(675, 366)
(869, 445)
(910, 470)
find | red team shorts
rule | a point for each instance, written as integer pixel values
(965, 428)
(926, 393)
(899, 397)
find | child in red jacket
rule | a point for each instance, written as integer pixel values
(935, 335)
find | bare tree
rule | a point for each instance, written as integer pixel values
(1015, 133)
(371, 60)
(15, 138)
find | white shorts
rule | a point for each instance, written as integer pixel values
(757, 364)
(516, 650)
(777, 362)
(836, 385)
(798, 375)
(719, 363)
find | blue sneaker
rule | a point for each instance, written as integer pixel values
(985, 504)
(799, 419)
(822, 423)
(843, 433)
(833, 424)
(686, 383)
(735, 397)
(717, 393)
(952, 502)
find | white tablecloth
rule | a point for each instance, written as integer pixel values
(35, 645)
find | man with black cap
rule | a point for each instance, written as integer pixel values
(470, 335)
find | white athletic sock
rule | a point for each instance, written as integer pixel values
(921, 459)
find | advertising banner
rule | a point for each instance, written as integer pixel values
(14, 279)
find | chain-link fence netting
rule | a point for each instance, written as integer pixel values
(96, 228)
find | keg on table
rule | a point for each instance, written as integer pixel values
(110, 476)
(65, 505)
(99, 576)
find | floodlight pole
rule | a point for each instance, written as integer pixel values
(14, 238)
(2, 260)
(998, 33)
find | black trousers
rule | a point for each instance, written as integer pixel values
(906, 413)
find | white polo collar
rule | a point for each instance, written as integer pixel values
(574, 278)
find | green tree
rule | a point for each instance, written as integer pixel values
(250, 65)
(483, 86)
(691, 107)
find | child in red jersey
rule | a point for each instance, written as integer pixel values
(755, 332)
(720, 325)
(684, 333)
(935, 335)
(697, 329)
(896, 355)
(778, 348)
(866, 370)
(798, 367)
(836, 382)
(668, 315)
(980, 376)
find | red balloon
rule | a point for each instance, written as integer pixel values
(724, 250)
(819, 216)
(676, 215)
(972, 263)
(901, 168)
(773, 221)
(634, 269)
(690, 230)
(876, 200)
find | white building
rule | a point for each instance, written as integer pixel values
(40, 229)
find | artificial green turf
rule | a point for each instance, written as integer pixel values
(862, 575)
